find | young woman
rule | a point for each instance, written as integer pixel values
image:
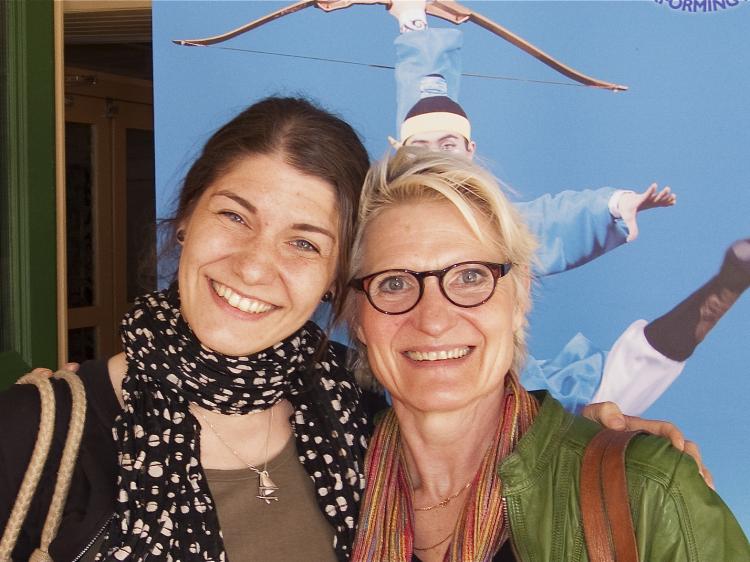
(223, 380)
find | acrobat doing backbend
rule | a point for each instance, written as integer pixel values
(573, 228)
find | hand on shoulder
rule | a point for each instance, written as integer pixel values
(117, 367)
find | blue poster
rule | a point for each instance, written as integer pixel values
(683, 122)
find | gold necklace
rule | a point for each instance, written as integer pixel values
(443, 503)
(436, 544)
(266, 486)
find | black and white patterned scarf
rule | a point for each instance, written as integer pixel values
(163, 508)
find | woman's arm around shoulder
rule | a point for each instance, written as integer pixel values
(118, 368)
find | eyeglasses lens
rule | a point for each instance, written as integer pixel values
(468, 284)
(394, 291)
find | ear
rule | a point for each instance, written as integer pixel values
(360, 333)
(180, 232)
(330, 293)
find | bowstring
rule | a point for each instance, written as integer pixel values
(383, 66)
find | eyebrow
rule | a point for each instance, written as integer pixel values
(312, 228)
(237, 199)
(449, 137)
(305, 227)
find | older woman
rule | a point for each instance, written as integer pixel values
(468, 465)
(237, 431)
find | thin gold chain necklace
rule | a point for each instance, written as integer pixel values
(266, 486)
(436, 544)
(445, 502)
(441, 504)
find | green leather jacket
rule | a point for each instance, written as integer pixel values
(676, 516)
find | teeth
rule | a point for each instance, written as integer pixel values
(456, 353)
(242, 303)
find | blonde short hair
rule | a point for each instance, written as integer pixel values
(416, 175)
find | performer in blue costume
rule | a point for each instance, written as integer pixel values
(573, 228)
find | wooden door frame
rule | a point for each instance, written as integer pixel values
(112, 104)
(130, 115)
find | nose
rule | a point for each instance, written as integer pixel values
(256, 263)
(434, 314)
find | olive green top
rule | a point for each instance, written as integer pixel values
(289, 530)
(292, 529)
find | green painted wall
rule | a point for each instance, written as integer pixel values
(27, 143)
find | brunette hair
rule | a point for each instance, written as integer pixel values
(310, 139)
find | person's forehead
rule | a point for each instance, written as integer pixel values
(422, 235)
(268, 183)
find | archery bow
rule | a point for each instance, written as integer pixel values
(448, 10)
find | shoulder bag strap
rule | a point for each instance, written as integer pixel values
(36, 464)
(605, 506)
(67, 464)
(38, 460)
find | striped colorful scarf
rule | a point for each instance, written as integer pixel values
(386, 522)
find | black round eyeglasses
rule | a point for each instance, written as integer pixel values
(397, 291)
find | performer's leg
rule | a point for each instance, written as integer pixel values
(679, 331)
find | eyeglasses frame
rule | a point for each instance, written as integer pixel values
(498, 270)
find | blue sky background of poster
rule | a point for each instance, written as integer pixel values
(684, 123)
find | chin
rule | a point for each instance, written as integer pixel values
(436, 400)
(223, 339)
(437, 405)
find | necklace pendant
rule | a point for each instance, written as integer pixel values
(266, 488)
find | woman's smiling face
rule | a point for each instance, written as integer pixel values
(259, 252)
(438, 356)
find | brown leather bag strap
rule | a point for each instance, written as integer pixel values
(605, 507)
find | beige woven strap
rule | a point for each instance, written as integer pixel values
(36, 464)
(39, 556)
(38, 459)
(67, 462)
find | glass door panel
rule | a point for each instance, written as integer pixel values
(111, 222)
(88, 171)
